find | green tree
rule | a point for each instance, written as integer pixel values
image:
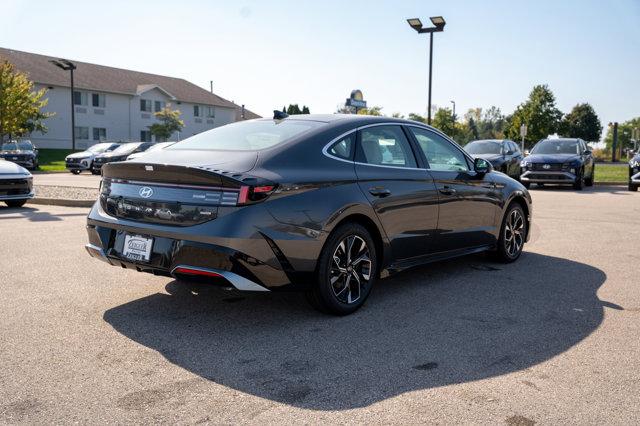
(20, 106)
(417, 117)
(582, 122)
(170, 122)
(443, 120)
(375, 110)
(294, 109)
(305, 110)
(625, 131)
(539, 113)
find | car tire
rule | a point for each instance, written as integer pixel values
(95, 172)
(513, 233)
(633, 187)
(16, 203)
(346, 271)
(589, 181)
(76, 172)
(526, 184)
(579, 183)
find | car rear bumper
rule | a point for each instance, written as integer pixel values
(558, 177)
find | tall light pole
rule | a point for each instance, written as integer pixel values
(416, 24)
(69, 66)
(453, 118)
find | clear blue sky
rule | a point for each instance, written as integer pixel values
(270, 53)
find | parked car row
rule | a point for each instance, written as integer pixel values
(100, 154)
(16, 184)
(561, 161)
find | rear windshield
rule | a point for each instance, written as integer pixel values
(127, 147)
(15, 146)
(248, 135)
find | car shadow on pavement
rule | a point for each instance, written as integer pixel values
(604, 189)
(34, 214)
(445, 323)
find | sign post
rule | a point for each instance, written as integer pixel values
(523, 133)
(355, 100)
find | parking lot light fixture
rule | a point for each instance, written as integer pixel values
(416, 24)
(67, 65)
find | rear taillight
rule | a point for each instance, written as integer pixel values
(252, 194)
(183, 270)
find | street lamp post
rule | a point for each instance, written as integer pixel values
(69, 66)
(453, 117)
(416, 24)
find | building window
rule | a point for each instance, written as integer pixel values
(82, 133)
(211, 113)
(98, 100)
(145, 136)
(145, 105)
(99, 133)
(196, 110)
(159, 106)
(79, 98)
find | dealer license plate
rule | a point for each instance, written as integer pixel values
(137, 247)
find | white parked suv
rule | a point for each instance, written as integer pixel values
(79, 161)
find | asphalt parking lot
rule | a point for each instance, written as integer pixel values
(552, 338)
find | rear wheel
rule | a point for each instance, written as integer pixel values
(346, 271)
(16, 203)
(589, 181)
(633, 187)
(75, 172)
(512, 234)
(95, 172)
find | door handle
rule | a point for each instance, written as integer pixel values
(379, 191)
(447, 190)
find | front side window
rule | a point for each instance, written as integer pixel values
(99, 133)
(343, 148)
(386, 146)
(98, 100)
(79, 98)
(248, 135)
(441, 154)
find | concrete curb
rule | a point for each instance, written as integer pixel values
(61, 202)
(611, 183)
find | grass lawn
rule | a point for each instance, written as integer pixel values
(52, 160)
(612, 173)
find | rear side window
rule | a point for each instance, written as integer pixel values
(386, 146)
(441, 154)
(248, 135)
(343, 148)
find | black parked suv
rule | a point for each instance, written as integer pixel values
(322, 203)
(504, 155)
(559, 161)
(21, 152)
(634, 172)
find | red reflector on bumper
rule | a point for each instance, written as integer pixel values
(200, 272)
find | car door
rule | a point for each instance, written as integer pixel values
(398, 187)
(514, 159)
(587, 158)
(468, 200)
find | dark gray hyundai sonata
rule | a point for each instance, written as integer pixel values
(322, 203)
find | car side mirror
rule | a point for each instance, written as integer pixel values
(481, 166)
(587, 152)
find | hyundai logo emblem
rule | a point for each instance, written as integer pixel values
(546, 167)
(145, 192)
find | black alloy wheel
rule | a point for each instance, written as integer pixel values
(75, 172)
(589, 181)
(346, 271)
(579, 183)
(16, 203)
(512, 234)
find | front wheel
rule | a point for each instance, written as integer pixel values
(95, 172)
(346, 271)
(579, 182)
(633, 187)
(75, 172)
(512, 234)
(16, 203)
(526, 184)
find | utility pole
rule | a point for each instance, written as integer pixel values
(211, 84)
(615, 142)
